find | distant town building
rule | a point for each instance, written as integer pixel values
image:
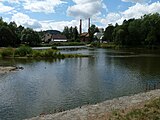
(84, 37)
(99, 35)
(53, 36)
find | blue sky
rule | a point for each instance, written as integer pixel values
(55, 14)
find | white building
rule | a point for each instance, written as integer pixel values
(99, 35)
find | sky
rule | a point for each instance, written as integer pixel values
(56, 14)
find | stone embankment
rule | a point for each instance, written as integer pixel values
(102, 110)
(8, 69)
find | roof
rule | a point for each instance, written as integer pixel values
(85, 34)
(58, 36)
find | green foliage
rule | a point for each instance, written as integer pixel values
(7, 52)
(95, 44)
(150, 111)
(23, 51)
(136, 32)
(7, 37)
(30, 37)
(13, 35)
(108, 45)
(54, 47)
(71, 33)
(47, 54)
(108, 33)
(93, 29)
(66, 44)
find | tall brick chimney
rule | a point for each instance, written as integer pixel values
(80, 27)
(89, 24)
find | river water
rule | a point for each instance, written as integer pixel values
(47, 86)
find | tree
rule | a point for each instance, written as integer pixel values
(108, 33)
(30, 37)
(75, 34)
(135, 32)
(66, 32)
(93, 29)
(7, 37)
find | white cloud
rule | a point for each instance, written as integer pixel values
(139, 10)
(85, 8)
(26, 21)
(136, 1)
(53, 25)
(4, 9)
(111, 18)
(47, 6)
(135, 11)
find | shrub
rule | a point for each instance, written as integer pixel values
(54, 47)
(23, 51)
(7, 52)
(36, 53)
(48, 53)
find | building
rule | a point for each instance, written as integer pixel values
(99, 35)
(84, 37)
(53, 36)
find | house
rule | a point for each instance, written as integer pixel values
(84, 37)
(53, 36)
(99, 35)
(58, 38)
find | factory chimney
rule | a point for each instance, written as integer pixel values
(80, 27)
(89, 22)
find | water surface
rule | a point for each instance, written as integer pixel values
(46, 86)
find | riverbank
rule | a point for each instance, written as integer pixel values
(27, 52)
(111, 109)
(8, 69)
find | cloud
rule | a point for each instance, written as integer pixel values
(4, 9)
(26, 21)
(54, 25)
(136, 1)
(135, 11)
(85, 8)
(46, 6)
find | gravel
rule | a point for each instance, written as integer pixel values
(99, 111)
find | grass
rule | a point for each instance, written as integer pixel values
(150, 111)
(108, 45)
(64, 44)
(27, 52)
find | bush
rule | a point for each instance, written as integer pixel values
(54, 47)
(95, 44)
(36, 53)
(23, 51)
(7, 52)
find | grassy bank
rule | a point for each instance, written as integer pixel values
(148, 111)
(63, 44)
(27, 52)
(112, 45)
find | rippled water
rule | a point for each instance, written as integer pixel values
(46, 86)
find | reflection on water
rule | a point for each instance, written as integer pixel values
(46, 86)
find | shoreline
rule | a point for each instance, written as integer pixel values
(7, 69)
(101, 111)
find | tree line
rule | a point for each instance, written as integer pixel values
(72, 34)
(135, 32)
(13, 35)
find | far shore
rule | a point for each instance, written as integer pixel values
(103, 111)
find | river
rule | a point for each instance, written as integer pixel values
(47, 86)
